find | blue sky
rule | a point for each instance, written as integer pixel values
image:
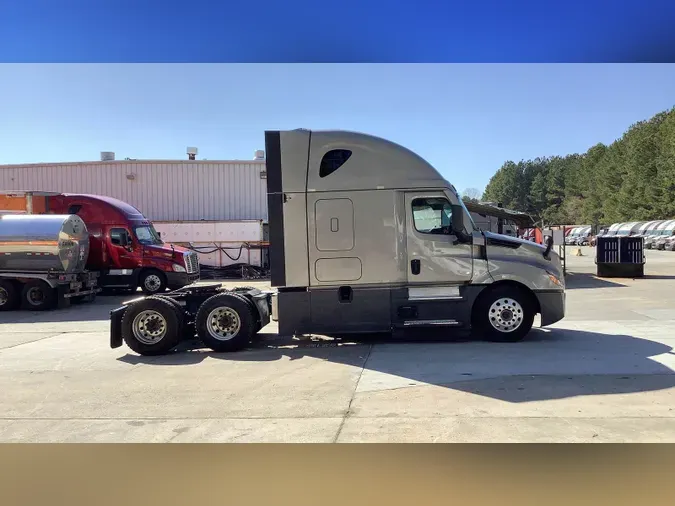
(465, 119)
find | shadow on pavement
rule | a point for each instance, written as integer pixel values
(76, 313)
(551, 364)
(583, 280)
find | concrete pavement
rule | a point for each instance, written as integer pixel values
(603, 374)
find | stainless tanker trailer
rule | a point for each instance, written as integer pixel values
(42, 261)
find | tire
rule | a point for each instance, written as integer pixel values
(226, 322)
(164, 333)
(188, 331)
(152, 282)
(37, 295)
(254, 309)
(9, 297)
(486, 314)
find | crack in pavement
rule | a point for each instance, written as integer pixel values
(356, 386)
(33, 341)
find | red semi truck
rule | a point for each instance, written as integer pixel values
(125, 248)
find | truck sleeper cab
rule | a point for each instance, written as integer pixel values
(125, 247)
(366, 236)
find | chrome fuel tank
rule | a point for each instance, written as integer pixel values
(45, 242)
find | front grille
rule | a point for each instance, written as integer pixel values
(192, 262)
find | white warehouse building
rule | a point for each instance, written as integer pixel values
(163, 190)
(227, 197)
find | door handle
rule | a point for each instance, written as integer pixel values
(415, 266)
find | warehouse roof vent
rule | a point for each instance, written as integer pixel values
(192, 153)
(107, 156)
(259, 155)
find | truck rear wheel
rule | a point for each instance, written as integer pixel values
(503, 314)
(225, 322)
(9, 297)
(37, 295)
(152, 281)
(152, 326)
(188, 326)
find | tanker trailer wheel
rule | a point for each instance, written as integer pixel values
(225, 322)
(152, 281)
(9, 298)
(503, 314)
(152, 326)
(37, 295)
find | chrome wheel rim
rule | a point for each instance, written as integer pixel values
(223, 323)
(506, 314)
(152, 282)
(4, 296)
(149, 327)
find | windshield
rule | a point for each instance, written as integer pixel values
(147, 235)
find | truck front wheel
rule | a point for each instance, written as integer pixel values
(152, 326)
(152, 281)
(503, 314)
(225, 322)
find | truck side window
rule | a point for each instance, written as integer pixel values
(432, 215)
(333, 160)
(117, 236)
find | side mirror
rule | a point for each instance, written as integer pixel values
(125, 241)
(458, 225)
(549, 245)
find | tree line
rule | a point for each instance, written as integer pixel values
(632, 179)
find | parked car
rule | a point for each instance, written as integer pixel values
(630, 228)
(670, 244)
(584, 237)
(571, 237)
(647, 227)
(604, 232)
(654, 234)
(667, 232)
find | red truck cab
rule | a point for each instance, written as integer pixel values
(125, 247)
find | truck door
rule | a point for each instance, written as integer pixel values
(435, 255)
(120, 244)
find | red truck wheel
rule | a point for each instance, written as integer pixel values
(152, 281)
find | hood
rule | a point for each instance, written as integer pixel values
(494, 239)
(165, 250)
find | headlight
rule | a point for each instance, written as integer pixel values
(555, 280)
(178, 268)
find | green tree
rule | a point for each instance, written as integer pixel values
(631, 179)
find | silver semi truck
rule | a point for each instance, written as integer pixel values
(42, 261)
(365, 236)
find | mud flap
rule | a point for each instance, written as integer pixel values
(116, 327)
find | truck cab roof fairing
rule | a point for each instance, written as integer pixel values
(370, 162)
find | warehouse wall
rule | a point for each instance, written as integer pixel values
(161, 190)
